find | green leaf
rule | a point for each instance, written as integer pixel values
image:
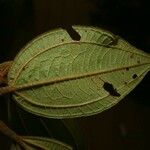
(40, 143)
(57, 77)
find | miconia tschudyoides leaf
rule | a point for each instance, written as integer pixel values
(57, 77)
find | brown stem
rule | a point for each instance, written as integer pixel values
(4, 68)
(6, 90)
(12, 135)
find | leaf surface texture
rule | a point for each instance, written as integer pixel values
(58, 77)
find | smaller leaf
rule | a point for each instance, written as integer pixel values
(40, 143)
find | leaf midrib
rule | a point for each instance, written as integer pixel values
(77, 105)
(73, 42)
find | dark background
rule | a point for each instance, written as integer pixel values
(125, 126)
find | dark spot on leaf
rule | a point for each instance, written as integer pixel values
(73, 34)
(138, 62)
(62, 40)
(110, 89)
(134, 76)
(24, 68)
(132, 55)
(30, 76)
(11, 78)
(127, 69)
(125, 82)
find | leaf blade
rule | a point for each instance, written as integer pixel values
(66, 79)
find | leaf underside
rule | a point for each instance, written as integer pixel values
(40, 143)
(59, 77)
